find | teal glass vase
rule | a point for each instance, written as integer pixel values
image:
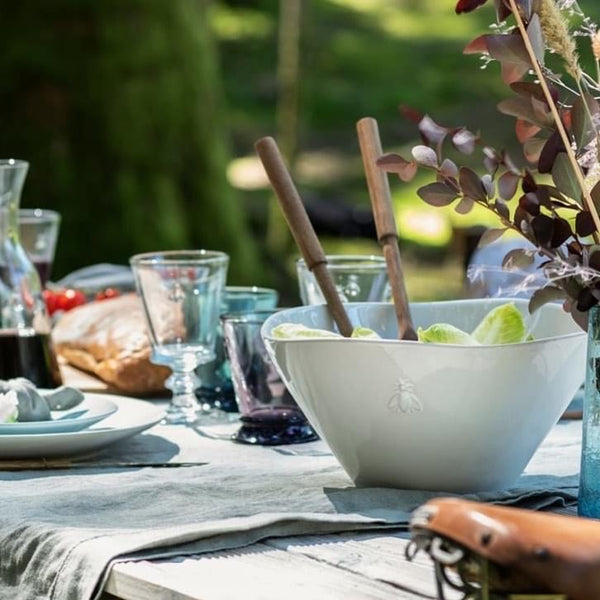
(589, 483)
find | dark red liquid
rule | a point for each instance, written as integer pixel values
(29, 356)
(44, 269)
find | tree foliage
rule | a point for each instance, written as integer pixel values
(117, 106)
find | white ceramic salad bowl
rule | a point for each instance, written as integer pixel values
(431, 416)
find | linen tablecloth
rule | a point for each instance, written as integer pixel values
(61, 529)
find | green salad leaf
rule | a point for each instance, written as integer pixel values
(502, 325)
(286, 331)
(444, 333)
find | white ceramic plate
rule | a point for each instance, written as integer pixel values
(92, 409)
(132, 417)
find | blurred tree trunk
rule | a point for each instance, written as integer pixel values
(288, 78)
(117, 105)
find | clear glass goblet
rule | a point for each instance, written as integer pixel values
(182, 293)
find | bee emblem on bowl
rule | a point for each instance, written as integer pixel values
(405, 399)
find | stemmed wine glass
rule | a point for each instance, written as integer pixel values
(182, 292)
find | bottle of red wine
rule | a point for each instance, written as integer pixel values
(29, 356)
(25, 346)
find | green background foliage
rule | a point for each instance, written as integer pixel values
(131, 111)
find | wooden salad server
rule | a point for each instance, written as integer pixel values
(385, 222)
(302, 229)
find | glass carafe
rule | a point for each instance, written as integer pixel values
(25, 346)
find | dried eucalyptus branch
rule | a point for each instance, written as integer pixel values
(560, 138)
(555, 114)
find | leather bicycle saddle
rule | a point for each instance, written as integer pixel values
(489, 551)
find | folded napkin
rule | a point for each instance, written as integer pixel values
(98, 277)
(60, 530)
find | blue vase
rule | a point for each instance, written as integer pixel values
(589, 483)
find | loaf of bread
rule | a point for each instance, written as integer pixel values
(108, 338)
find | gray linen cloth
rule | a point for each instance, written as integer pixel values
(60, 530)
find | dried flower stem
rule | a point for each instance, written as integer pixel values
(558, 38)
(557, 119)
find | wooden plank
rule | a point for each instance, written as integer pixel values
(376, 556)
(83, 380)
(259, 572)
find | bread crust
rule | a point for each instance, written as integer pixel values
(108, 338)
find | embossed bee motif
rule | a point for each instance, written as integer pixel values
(405, 399)
(176, 292)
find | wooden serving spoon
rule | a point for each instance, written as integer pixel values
(302, 229)
(385, 222)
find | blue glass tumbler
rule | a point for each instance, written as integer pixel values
(217, 388)
(589, 484)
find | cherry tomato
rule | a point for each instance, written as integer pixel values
(69, 299)
(107, 294)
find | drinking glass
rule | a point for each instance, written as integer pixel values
(38, 230)
(269, 414)
(182, 293)
(217, 388)
(357, 279)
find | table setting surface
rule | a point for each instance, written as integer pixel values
(183, 512)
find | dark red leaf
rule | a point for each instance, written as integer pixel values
(575, 248)
(543, 228)
(521, 219)
(518, 258)
(507, 185)
(502, 209)
(532, 149)
(529, 184)
(550, 151)
(449, 169)
(488, 184)
(464, 141)
(490, 236)
(425, 156)
(530, 203)
(437, 194)
(509, 48)
(584, 224)
(394, 163)
(529, 89)
(581, 318)
(520, 107)
(512, 72)
(502, 11)
(471, 184)
(465, 206)
(410, 113)
(562, 232)
(594, 260)
(464, 6)
(525, 130)
(586, 300)
(545, 295)
(477, 46)
(432, 132)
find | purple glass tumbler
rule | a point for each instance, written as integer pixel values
(269, 414)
